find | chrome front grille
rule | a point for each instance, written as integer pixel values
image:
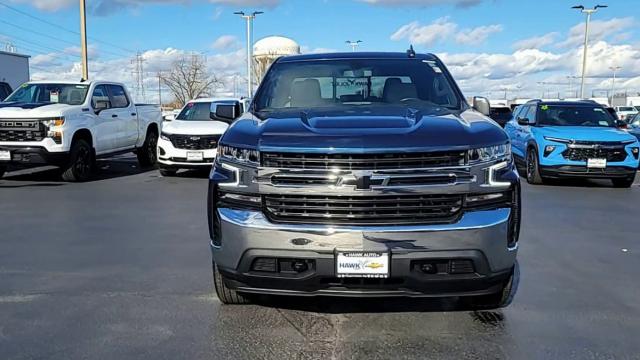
(363, 210)
(389, 161)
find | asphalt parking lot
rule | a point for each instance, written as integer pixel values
(119, 268)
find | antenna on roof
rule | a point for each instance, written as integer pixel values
(411, 53)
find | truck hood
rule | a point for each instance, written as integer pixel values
(194, 127)
(584, 133)
(363, 130)
(32, 110)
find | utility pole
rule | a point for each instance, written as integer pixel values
(354, 44)
(588, 13)
(613, 82)
(138, 74)
(83, 40)
(249, 18)
(160, 89)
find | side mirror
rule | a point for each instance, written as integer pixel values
(621, 124)
(169, 117)
(225, 112)
(482, 105)
(524, 121)
(100, 105)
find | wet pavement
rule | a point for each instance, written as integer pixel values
(119, 268)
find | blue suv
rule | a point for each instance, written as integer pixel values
(554, 139)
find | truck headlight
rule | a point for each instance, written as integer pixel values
(490, 153)
(239, 155)
(165, 136)
(53, 122)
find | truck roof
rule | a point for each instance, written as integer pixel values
(585, 102)
(211, 99)
(356, 55)
(74, 82)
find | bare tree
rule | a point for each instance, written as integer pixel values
(189, 79)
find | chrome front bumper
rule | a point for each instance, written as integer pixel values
(482, 231)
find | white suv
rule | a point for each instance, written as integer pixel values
(190, 140)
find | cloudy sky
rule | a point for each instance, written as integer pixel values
(521, 47)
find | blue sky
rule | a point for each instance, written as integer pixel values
(481, 41)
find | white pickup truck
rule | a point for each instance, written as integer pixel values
(70, 124)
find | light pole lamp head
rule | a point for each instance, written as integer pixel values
(600, 7)
(241, 13)
(580, 7)
(257, 13)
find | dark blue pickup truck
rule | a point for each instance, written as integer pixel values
(364, 174)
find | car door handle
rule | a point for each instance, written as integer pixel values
(114, 115)
(133, 114)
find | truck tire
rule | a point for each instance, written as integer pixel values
(168, 172)
(533, 168)
(227, 296)
(500, 299)
(3, 169)
(623, 183)
(81, 162)
(148, 153)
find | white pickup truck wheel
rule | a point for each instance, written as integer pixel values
(81, 162)
(148, 153)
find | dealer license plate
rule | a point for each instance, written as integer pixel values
(5, 155)
(597, 163)
(362, 264)
(195, 156)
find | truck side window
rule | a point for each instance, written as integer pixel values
(100, 94)
(119, 97)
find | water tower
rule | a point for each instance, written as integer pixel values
(267, 50)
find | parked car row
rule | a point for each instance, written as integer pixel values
(71, 124)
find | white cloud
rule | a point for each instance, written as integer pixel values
(476, 36)
(424, 3)
(536, 42)
(226, 42)
(439, 30)
(443, 29)
(598, 30)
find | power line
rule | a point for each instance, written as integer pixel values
(45, 47)
(50, 37)
(63, 28)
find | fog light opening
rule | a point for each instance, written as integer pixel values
(429, 268)
(299, 266)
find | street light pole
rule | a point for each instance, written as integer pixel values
(588, 13)
(249, 18)
(83, 40)
(354, 44)
(613, 82)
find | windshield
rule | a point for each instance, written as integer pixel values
(627, 108)
(501, 113)
(562, 115)
(355, 82)
(69, 94)
(201, 111)
(196, 111)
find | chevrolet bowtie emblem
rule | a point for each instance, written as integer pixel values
(374, 265)
(363, 180)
